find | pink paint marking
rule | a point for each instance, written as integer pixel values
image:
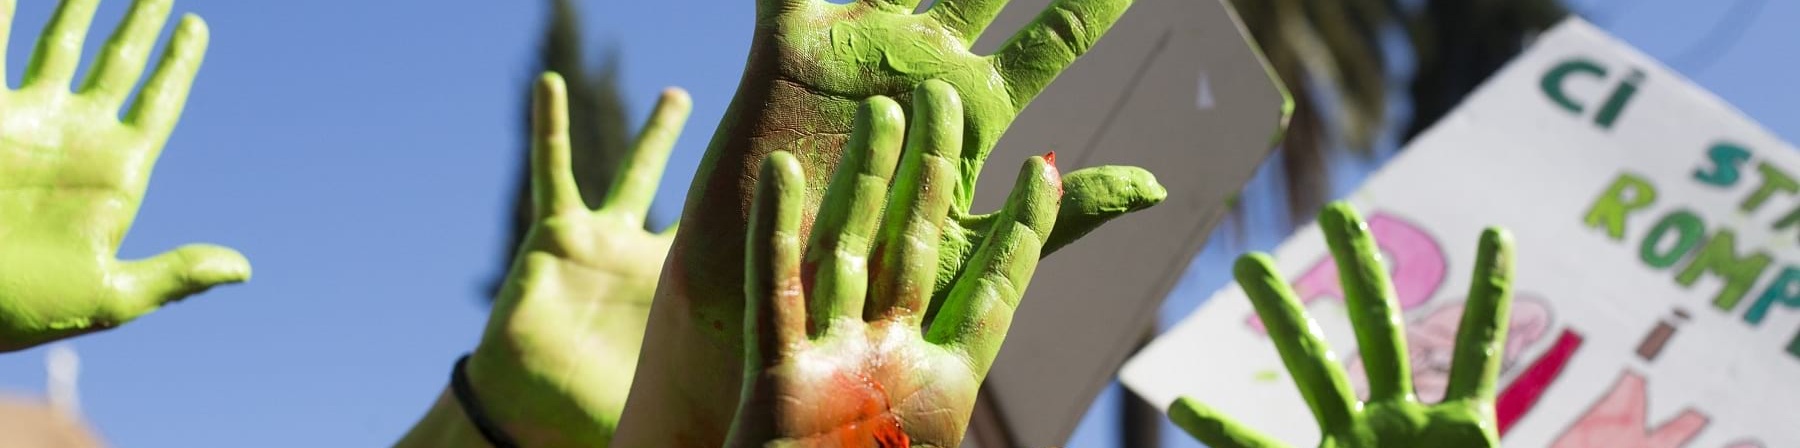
(1524, 392)
(1618, 420)
(1415, 263)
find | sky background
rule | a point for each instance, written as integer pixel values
(362, 155)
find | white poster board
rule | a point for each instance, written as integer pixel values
(1175, 88)
(1658, 264)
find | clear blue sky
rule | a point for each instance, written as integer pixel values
(361, 154)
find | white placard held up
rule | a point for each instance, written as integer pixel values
(1657, 292)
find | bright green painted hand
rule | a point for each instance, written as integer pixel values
(811, 63)
(72, 175)
(835, 351)
(556, 361)
(1392, 416)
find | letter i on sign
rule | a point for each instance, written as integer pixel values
(1652, 346)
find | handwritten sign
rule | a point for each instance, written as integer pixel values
(1658, 274)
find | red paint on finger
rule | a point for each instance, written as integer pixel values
(1052, 172)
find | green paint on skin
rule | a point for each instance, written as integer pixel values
(1463, 418)
(853, 312)
(553, 366)
(72, 176)
(1096, 195)
(812, 64)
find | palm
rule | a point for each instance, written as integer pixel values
(1457, 423)
(827, 56)
(811, 63)
(74, 175)
(875, 382)
(837, 351)
(564, 335)
(1392, 416)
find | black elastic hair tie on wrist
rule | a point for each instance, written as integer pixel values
(471, 406)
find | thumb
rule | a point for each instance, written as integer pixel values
(1215, 429)
(174, 275)
(1093, 196)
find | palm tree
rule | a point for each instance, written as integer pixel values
(1335, 45)
(600, 135)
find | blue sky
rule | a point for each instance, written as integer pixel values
(361, 155)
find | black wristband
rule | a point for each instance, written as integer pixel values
(471, 406)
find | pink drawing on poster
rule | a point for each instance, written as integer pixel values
(1617, 420)
(1431, 345)
(1415, 263)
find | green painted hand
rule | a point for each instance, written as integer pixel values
(1392, 416)
(72, 175)
(836, 351)
(811, 63)
(556, 361)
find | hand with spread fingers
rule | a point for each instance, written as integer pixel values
(1392, 416)
(839, 351)
(72, 175)
(811, 63)
(556, 361)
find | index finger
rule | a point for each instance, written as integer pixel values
(1373, 310)
(635, 187)
(1299, 340)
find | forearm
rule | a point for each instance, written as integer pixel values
(444, 426)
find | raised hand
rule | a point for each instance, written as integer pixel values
(556, 362)
(1392, 416)
(811, 63)
(72, 175)
(836, 350)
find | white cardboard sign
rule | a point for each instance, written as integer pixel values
(1657, 289)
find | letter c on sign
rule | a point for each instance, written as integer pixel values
(1554, 80)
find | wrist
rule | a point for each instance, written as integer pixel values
(444, 426)
(475, 412)
(528, 404)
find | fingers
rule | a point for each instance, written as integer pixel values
(175, 275)
(1046, 46)
(1299, 341)
(59, 48)
(1380, 335)
(165, 94)
(1481, 338)
(776, 318)
(979, 310)
(838, 252)
(123, 59)
(553, 189)
(635, 186)
(1215, 429)
(1093, 196)
(905, 258)
(8, 9)
(967, 17)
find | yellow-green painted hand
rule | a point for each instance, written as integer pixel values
(556, 362)
(836, 351)
(1392, 416)
(811, 63)
(72, 175)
